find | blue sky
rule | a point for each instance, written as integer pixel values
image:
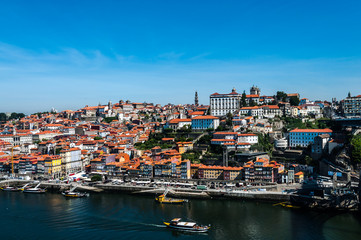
(67, 54)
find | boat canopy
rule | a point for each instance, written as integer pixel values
(186, 224)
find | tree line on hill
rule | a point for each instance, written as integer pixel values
(5, 117)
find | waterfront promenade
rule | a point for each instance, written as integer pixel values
(268, 193)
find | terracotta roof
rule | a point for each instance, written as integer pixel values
(178, 120)
(205, 117)
(327, 130)
(252, 96)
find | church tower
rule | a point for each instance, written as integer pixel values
(196, 99)
(255, 90)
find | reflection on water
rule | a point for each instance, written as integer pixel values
(110, 216)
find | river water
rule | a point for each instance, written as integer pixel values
(121, 216)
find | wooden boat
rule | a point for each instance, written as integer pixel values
(180, 225)
(11, 189)
(163, 199)
(71, 194)
(286, 204)
(34, 189)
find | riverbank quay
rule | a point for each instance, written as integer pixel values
(251, 194)
(280, 193)
(189, 193)
(54, 186)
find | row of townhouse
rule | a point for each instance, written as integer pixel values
(262, 170)
(196, 123)
(265, 111)
(144, 166)
(226, 137)
(41, 164)
(173, 168)
(217, 172)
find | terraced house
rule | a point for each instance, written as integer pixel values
(52, 166)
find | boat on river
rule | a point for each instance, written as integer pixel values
(71, 194)
(11, 189)
(180, 225)
(35, 189)
(164, 199)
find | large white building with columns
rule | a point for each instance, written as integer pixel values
(221, 104)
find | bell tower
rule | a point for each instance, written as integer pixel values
(196, 99)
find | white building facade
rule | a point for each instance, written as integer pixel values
(221, 104)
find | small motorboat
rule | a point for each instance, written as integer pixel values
(11, 189)
(71, 194)
(180, 225)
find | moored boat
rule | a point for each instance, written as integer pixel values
(163, 199)
(11, 189)
(71, 194)
(180, 225)
(34, 190)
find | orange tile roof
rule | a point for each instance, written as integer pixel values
(178, 120)
(252, 96)
(327, 130)
(205, 117)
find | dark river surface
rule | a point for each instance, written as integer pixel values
(121, 216)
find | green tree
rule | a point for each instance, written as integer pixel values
(356, 148)
(220, 128)
(191, 155)
(281, 96)
(109, 119)
(310, 161)
(294, 101)
(167, 130)
(206, 139)
(3, 117)
(13, 115)
(57, 151)
(96, 178)
(243, 99)
(263, 144)
(97, 138)
(252, 103)
(229, 119)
